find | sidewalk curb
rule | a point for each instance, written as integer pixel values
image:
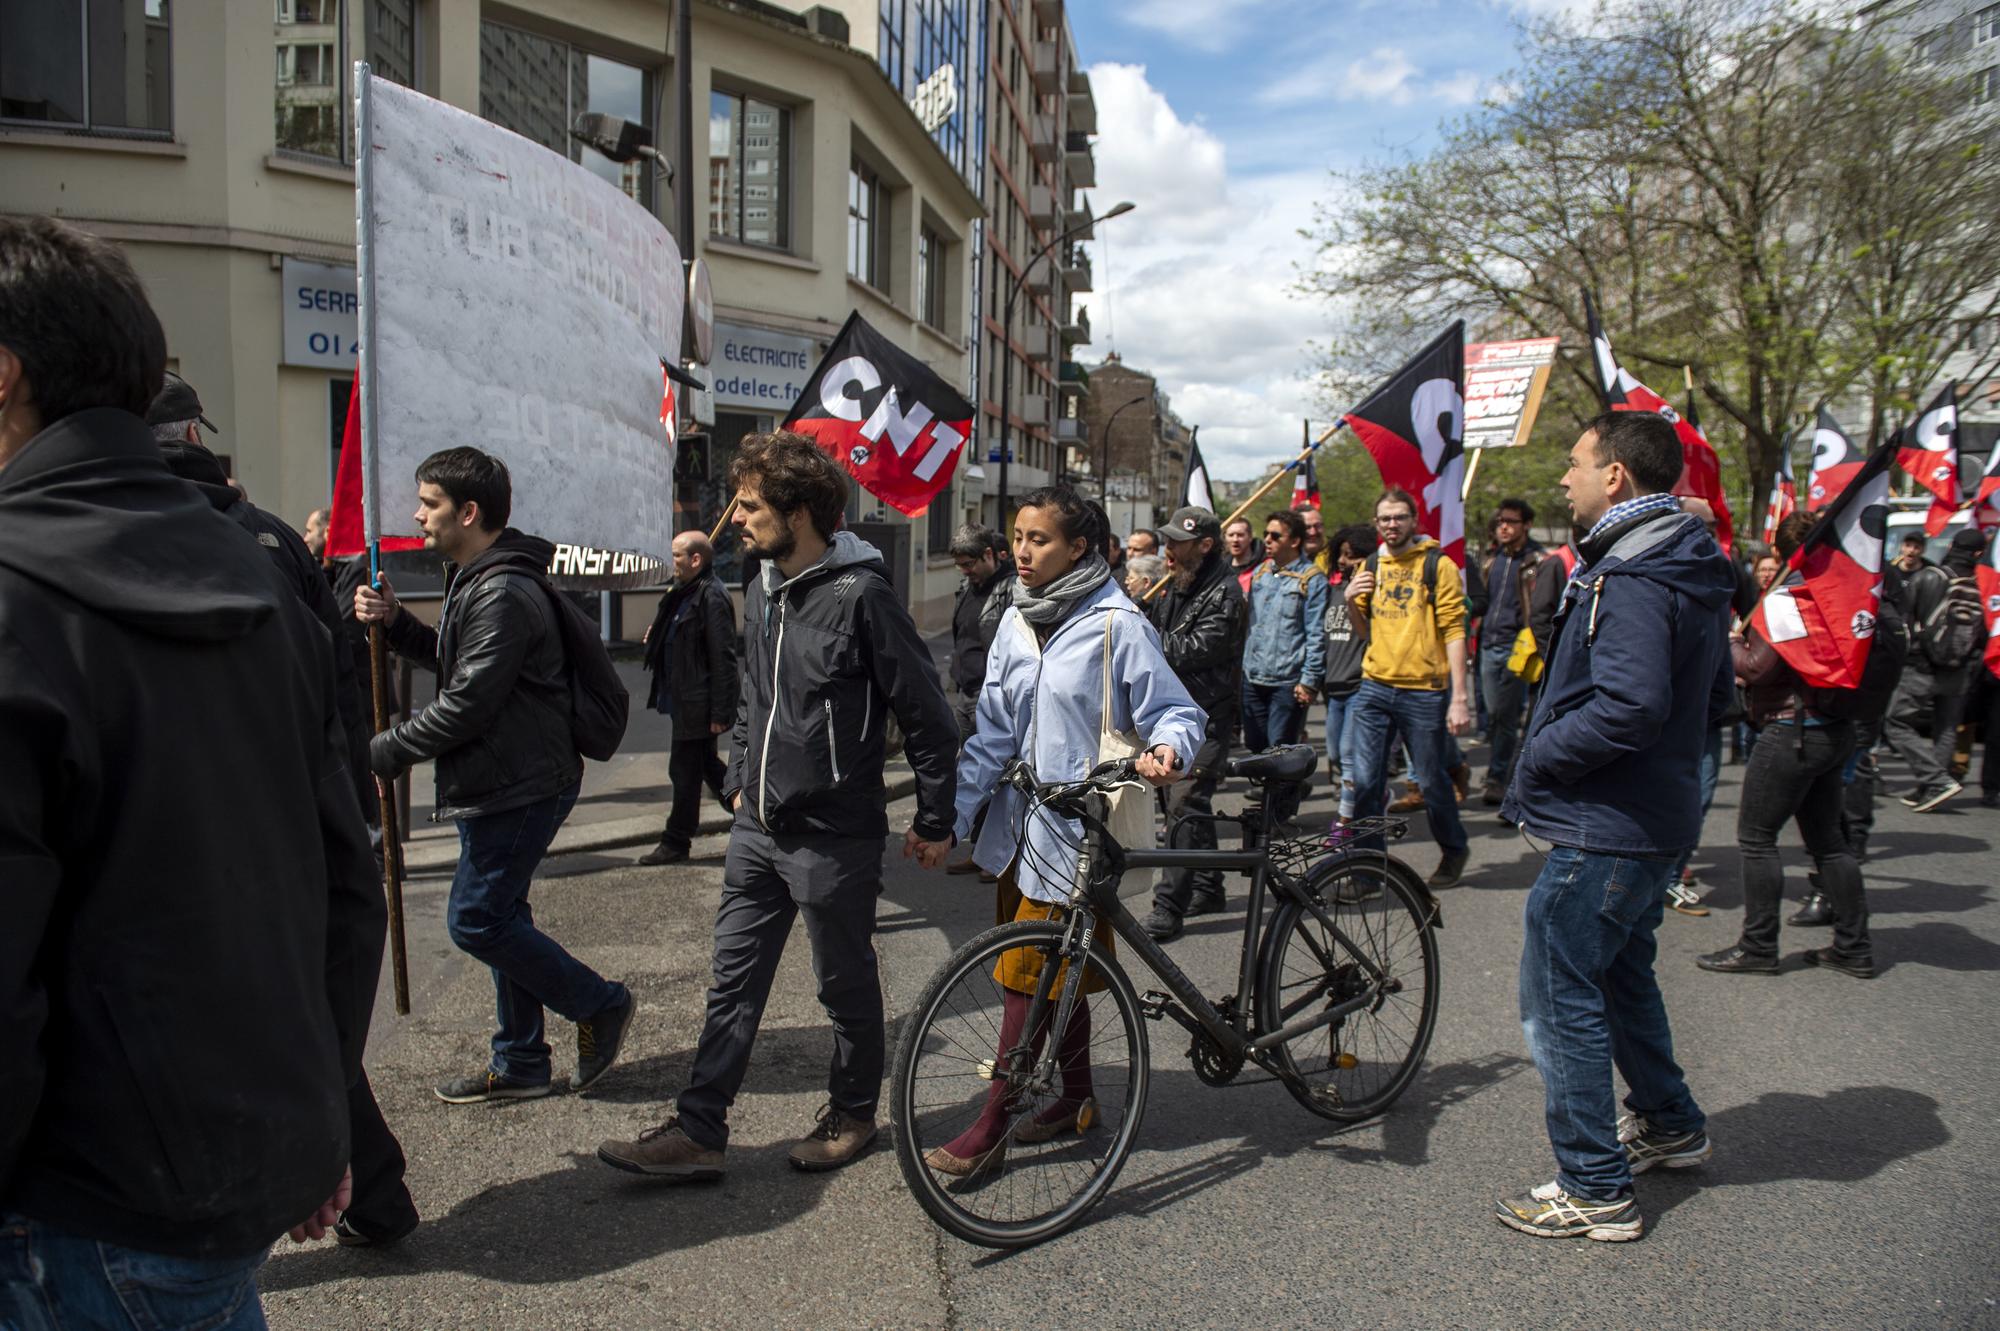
(441, 857)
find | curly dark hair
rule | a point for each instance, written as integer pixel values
(793, 473)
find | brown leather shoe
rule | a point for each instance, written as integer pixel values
(834, 1141)
(1409, 801)
(1078, 1119)
(664, 1152)
(1461, 781)
(944, 1162)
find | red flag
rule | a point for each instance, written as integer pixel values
(1784, 495)
(669, 418)
(1986, 504)
(1989, 595)
(1836, 459)
(886, 416)
(1820, 616)
(1414, 427)
(1305, 486)
(1701, 469)
(1928, 451)
(346, 529)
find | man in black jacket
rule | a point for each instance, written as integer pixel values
(1202, 618)
(193, 926)
(981, 556)
(507, 768)
(1937, 687)
(1505, 614)
(691, 655)
(381, 1211)
(829, 653)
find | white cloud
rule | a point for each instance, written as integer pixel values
(1206, 25)
(1383, 75)
(1198, 277)
(1461, 89)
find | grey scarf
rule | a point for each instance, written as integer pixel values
(1044, 606)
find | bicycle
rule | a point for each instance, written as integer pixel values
(1336, 998)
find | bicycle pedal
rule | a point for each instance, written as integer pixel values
(1154, 1004)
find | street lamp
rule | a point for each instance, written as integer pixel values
(1007, 338)
(1104, 472)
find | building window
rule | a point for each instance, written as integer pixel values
(1986, 25)
(1986, 86)
(867, 226)
(314, 84)
(930, 278)
(90, 67)
(889, 49)
(940, 40)
(392, 40)
(537, 87)
(749, 170)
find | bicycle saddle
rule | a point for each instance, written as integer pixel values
(1293, 763)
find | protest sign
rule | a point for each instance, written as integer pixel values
(1503, 390)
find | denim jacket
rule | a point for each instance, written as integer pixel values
(1044, 702)
(1287, 616)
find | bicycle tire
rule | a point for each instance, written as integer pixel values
(937, 1089)
(1390, 922)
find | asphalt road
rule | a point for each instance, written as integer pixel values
(1856, 1180)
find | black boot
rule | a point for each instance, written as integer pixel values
(1817, 911)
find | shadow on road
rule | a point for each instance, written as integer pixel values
(1951, 947)
(786, 1060)
(581, 1220)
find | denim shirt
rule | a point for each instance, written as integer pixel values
(1287, 616)
(1044, 702)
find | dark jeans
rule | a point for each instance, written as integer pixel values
(1589, 1002)
(691, 764)
(54, 1281)
(489, 918)
(1504, 694)
(833, 881)
(1419, 714)
(381, 1204)
(1929, 760)
(1795, 772)
(1857, 816)
(1272, 717)
(1189, 805)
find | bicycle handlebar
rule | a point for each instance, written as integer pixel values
(1101, 780)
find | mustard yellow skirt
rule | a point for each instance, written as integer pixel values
(1020, 968)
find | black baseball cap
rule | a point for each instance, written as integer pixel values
(1191, 524)
(1969, 539)
(177, 401)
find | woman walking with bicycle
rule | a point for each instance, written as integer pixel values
(1075, 676)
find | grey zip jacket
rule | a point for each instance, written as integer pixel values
(828, 658)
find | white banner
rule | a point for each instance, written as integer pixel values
(513, 301)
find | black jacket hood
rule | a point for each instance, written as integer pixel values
(513, 549)
(89, 508)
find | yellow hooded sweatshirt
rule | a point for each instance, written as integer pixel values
(1407, 633)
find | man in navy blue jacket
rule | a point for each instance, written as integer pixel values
(1609, 776)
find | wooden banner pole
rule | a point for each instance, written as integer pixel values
(392, 842)
(722, 522)
(1471, 470)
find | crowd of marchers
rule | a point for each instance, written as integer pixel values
(195, 911)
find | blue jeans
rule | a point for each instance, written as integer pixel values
(1504, 693)
(1589, 1001)
(1419, 714)
(489, 918)
(1337, 758)
(53, 1281)
(1272, 717)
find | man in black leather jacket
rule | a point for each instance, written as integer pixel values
(1202, 618)
(507, 767)
(691, 655)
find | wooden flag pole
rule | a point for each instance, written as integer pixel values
(1471, 470)
(392, 842)
(1260, 492)
(722, 522)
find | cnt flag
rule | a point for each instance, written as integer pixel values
(1836, 458)
(1195, 489)
(1784, 494)
(1701, 470)
(1414, 428)
(885, 415)
(1821, 615)
(345, 524)
(1986, 504)
(1928, 451)
(1989, 596)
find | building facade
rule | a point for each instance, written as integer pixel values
(1132, 444)
(819, 191)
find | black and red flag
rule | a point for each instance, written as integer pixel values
(1986, 504)
(1820, 617)
(1836, 460)
(1701, 469)
(1988, 573)
(1784, 495)
(886, 416)
(1928, 451)
(1414, 428)
(1305, 482)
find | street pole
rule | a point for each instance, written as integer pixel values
(1007, 339)
(684, 130)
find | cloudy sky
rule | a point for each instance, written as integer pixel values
(1223, 120)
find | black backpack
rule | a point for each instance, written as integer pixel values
(1953, 633)
(1431, 556)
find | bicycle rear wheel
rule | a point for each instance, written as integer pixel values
(1354, 1068)
(948, 1066)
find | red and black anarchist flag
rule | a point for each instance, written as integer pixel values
(1989, 596)
(1821, 615)
(1836, 460)
(1701, 469)
(1305, 481)
(1414, 428)
(1784, 494)
(1928, 451)
(1986, 504)
(889, 419)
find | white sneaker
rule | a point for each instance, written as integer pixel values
(1926, 801)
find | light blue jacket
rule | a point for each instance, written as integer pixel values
(1287, 610)
(1045, 703)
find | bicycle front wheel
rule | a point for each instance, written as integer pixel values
(1061, 1125)
(1384, 956)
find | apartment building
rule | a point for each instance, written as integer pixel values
(214, 141)
(1134, 445)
